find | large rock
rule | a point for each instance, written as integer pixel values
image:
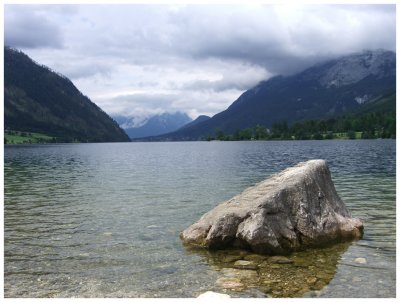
(294, 209)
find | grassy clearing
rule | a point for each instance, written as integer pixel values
(19, 137)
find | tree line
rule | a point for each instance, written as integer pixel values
(365, 126)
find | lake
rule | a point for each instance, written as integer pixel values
(103, 220)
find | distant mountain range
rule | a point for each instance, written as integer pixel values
(336, 87)
(154, 125)
(37, 99)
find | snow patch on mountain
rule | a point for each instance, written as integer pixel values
(362, 99)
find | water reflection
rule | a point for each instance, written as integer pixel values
(242, 272)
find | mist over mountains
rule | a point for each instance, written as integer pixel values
(154, 125)
(328, 89)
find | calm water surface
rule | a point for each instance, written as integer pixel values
(103, 220)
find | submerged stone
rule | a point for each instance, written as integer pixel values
(360, 260)
(255, 257)
(311, 280)
(280, 260)
(292, 210)
(229, 283)
(244, 264)
(242, 274)
(230, 258)
(229, 272)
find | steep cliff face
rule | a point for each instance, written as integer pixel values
(37, 99)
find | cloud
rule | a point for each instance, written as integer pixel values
(283, 39)
(232, 75)
(30, 29)
(76, 67)
(144, 59)
(142, 105)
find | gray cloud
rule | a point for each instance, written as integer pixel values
(232, 77)
(25, 28)
(86, 70)
(78, 68)
(143, 104)
(283, 39)
(144, 59)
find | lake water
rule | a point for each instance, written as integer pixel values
(103, 220)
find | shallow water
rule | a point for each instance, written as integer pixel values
(103, 220)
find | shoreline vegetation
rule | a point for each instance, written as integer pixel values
(366, 126)
(374, 125)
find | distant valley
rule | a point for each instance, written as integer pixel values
(153, 125)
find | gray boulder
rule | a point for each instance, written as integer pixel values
(292, 210)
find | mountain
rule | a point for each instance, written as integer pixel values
(198, 120)
(37, 99)
(328, 89)
(155, 125)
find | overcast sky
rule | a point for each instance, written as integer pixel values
(138, 60)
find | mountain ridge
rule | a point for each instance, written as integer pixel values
(310, 94)
(198, 120)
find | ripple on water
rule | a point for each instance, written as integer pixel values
(103, 220)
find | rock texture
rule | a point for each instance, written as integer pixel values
(294, 209)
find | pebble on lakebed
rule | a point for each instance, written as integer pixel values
(244, 264)
(229, 283)
(360, 260)
(280, 260)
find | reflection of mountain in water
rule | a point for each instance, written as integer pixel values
(293, 276)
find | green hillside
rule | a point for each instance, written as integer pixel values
(377, 119)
